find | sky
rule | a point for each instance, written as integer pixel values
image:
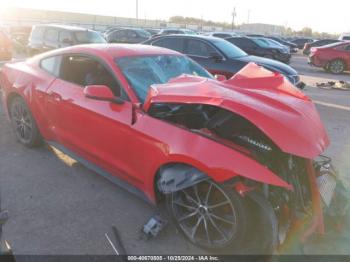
(323, 16)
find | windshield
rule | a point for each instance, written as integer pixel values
(262, 42)
(142, 72)
(87, 37)
(230, 50)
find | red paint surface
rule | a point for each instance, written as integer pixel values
(321, 56)
(125, 141)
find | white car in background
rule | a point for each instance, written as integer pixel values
(344, 36)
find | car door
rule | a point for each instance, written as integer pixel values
(97, 131)
(207, 56)
(251, 47)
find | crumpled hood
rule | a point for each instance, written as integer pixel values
(276, 107)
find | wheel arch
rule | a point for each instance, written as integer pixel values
(174, 176)
(10, 97)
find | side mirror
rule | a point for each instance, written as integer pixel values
(101, 92)
(220, 78)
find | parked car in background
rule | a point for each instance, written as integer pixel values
(254, 35)
(152, 31)
(261, 47)
(5, 46)
(219, 56)
(111, 29)
(300, 42)
(168, 31)
(48, 37)
(334, 58)
(222, 34)
(230, 159)
(344, 36)
(308, 46)
(189, 32)
(130, 36)
(293, 47)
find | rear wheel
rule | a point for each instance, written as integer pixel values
(209, 215)
(336, 66)
(23, 123)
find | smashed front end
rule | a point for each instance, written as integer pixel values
(261, 116)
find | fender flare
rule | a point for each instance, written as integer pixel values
(175, 177)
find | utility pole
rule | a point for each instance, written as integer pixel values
(202, 22)
(248, 16)
(137, 9)
(233, 17)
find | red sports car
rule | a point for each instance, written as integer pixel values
(334, 57)
(233, 159)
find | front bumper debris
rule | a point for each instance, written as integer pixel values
(330, 204)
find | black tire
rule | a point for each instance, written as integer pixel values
(336, 66)
(219, 221)
(262, 234)
(23, 123)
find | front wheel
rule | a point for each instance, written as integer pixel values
(209, 215)
(336, 66)
(23, 123)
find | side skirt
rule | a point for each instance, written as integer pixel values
(114, 179)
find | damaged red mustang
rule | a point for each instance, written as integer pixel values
(237, 161)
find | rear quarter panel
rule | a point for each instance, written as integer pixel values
(29, 81)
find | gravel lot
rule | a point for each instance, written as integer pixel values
(57, 206)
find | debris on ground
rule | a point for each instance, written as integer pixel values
(117, 244)
(153, 227)
(341, 85)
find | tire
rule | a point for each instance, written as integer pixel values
(209, 215)
(23, 123)
(261, 238)
(336, 66)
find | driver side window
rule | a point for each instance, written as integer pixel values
(198, 48)
(84, 70)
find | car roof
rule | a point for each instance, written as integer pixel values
(203, 37)
(65, 27)
(112, 50)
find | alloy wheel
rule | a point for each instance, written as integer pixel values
(205, 214)
(22, 122)
(336, 66)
